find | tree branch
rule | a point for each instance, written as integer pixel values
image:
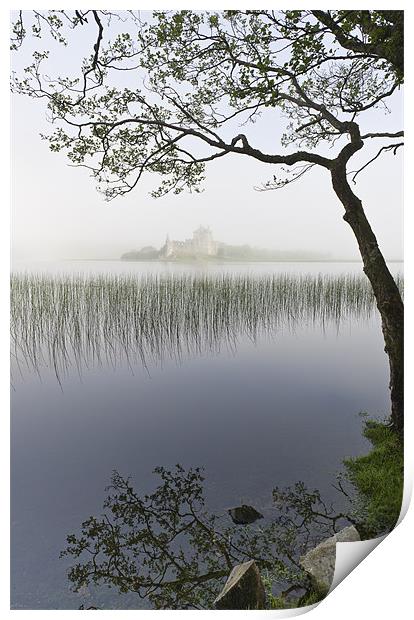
(397, 134)
(97, 45)
(389, 147)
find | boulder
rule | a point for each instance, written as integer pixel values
(243, 515)
(243, 589)
(319, 562)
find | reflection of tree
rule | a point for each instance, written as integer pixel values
(167, 548)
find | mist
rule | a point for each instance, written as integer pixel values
(57, 213)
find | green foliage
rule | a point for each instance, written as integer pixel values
(310, 598)
(382, 33)
(378, 478)
(378, 34)
(162, 95)
(291, 597)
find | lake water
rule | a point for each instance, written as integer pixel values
(255, 413)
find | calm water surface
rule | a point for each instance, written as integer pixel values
(260, 414)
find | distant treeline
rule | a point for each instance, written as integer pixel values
(247, 252)
(228, 252)
(146, 253)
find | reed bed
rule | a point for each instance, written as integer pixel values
(60, 321)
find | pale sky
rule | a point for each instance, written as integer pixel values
(57, 212)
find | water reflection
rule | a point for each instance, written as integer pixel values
(282, 409)
(61, 322)
(167, 548)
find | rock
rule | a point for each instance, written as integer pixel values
(319, 562)
(243, 515)
(244, 589)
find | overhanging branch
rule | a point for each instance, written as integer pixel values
(389, 147)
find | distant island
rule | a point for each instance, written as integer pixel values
(202, 246)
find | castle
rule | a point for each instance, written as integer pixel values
(202, 244)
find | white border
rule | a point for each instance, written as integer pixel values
(381, 585)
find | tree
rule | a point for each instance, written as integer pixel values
(166, 547)
(201, 72)
(376, 34)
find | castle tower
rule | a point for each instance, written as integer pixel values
(203, 241)
(168, 247)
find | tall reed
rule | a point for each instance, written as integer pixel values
(67, 320)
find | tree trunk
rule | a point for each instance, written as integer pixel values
(386, 292)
